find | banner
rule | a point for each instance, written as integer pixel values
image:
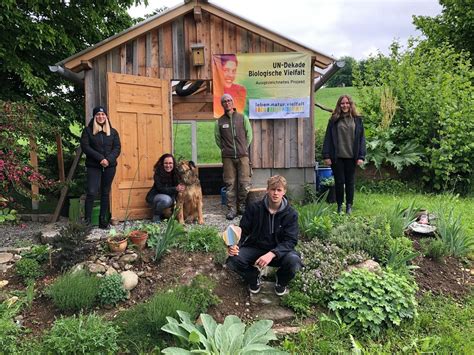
(265, 85)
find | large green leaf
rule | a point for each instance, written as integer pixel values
(259, 332)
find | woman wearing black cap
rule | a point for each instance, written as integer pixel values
(101, 145)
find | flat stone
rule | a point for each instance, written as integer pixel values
(3, 283)
(128, 258)
(283, 330)
(5, 258)
(97, 268)
(116, 266)
(16, 257)
(110, 271)
(268, 304)
(127, 267)
(266, 295)
(130, 279)
(369, 265)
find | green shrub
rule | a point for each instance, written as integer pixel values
(8, 215)
(74, 291)
(298, 301)
(371, 235)
(231, 337)
(166, 236)
(141, 324)
(400, 218)
(320, 227)
(199, 294)
(400, 255)
(83, 334)
(372, 302)
(307, 213)
(309, 193)
(434, 248)
(323, 264)
(28, 269)
(204, 238)
(9, 333)
(111, 290)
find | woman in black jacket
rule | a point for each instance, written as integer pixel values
(344, 148)
(165, 187)
(101, 145)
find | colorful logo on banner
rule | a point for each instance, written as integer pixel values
(266, 85)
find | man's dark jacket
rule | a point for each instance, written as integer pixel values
(99, 147)
(330, 140)
(258, 224)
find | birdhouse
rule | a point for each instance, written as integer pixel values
(198, 54)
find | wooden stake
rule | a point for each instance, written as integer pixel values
(34, 164)
(59, 145)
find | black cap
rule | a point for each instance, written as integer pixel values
(98, 109)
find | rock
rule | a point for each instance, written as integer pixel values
(128, 258)
(369, 265)
(116, 266)
(110, 271)
(96, 268)
(3, 268)
(284, 330)
(130, 279)
(127, 267)
(17, 257)
(5, 258)
(3, 283)
(141, 273)
(77, 267)
(103, 259)
(472, 272)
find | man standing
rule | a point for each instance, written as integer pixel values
(233, 134)
(269, 236)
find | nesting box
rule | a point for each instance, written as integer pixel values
(197, 54)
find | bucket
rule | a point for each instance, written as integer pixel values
(223, 196)
(75, 210)
(95, 213)
(322, 173)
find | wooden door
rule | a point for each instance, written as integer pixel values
(139, 109)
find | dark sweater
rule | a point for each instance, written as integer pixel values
(277, 233)
(330, 146)
(99, 147)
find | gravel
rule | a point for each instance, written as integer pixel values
(27, 233)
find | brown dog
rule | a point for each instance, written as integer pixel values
(189, 201)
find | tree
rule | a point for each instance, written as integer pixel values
(454, 26)
(39, 33)
(343, 77)
(433, 90)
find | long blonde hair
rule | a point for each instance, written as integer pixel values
(337, 113)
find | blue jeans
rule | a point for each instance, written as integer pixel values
(160, 202)
(243, 264)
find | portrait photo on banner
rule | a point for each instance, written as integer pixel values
(263, 85)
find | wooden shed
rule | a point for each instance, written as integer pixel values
(133, 71)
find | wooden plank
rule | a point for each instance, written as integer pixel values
(287, 142)
(179, 60)
(198, 26)
(70, 175)
(165, 52)
(154, 55)
(256, 146)
(135, 57)
(109, 61)
(216, 35)
(206, 70)
(300, 140)
(279, 143)
(189, 39)
(309, 145)
(129, 60)
(141, 56)
(102, 72)
(198, 116)
(89, 95)
(139, 30)
(293, 143)
(148, 53)
(267, 143)
(123, 58)
(116, 60)
(191, 98)
(242, 40)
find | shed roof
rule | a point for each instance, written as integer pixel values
(75, 61)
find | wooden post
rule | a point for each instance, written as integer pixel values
(62, 175)
(34, 164)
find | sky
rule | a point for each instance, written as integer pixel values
(356, 28)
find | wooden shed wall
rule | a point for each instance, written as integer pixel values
(165, 52)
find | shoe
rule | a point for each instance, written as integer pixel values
(348, 208)
(339, 208)
(256, 287)
(231, 214)
(281, 290)
(103, 223)
(156, 218)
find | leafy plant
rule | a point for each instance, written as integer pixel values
(307, 213)
(82, 334)
(38, 252)
(9, 333)
(400, 218)
(141, 324)
(162, 242)
(204, 238)
(328, 182)
(231, 337)
(434, 248)
(372, 302)
(309, 194)
(400, 255)
(450, 231)
(320, 227)
(71, 246)
(28, 269)
(111, 290)
(298, 301)
(74, 291)
(199, 294)
(8, 215)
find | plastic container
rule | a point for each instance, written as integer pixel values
(223, 196)
(322, 173)
(95, 213)
(75, 210)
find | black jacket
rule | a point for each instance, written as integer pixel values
(277, 233)
(330, 140)
(162, 185)
(99, 147)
